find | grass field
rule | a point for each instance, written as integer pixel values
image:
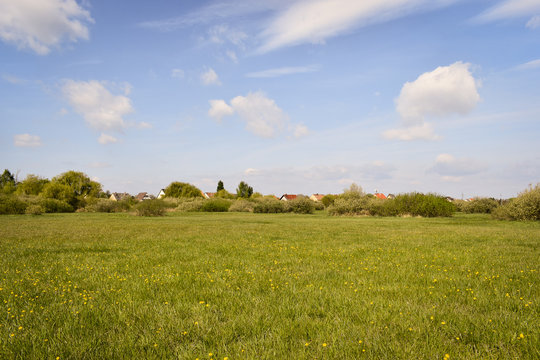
(268, 286)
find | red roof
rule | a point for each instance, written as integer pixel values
(380, 196)
(318, 196)
(288, 197)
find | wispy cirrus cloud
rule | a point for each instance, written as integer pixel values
(533, 64)
(511, 9)
(26, 140)
(282, 71)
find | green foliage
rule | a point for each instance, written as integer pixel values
(109, 206)
(353, 191)
(350, 204)
(190, 205)
(7, 182)
(178, 189)
(300, 205)
(328, 200)
(525, 207)
(269, 206)
(55, 206)
(154, 207)
(11, 205)
(80, 183)
(58, 191)
(34, 209)
(32, 185)
(480, 206)
(216, 205)
(220, 186)
(224, 194)
(242, 205)
(244, 190)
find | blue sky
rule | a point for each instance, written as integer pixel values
(290, 96)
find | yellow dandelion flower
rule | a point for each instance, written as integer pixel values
(324, 344)
(307, 344)
(521, 336)
(443, 323)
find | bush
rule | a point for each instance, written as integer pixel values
(182, 190)
(55, 206)
(525, 207)
(480, 206)
(34, 210)
(418, 204)
(242, 205)
(154, 207)
(349, 205)
(190, 205)
(267, 205)
(382, 207)
(328, 200)
(12, 205)
(318, 205)
(300, 205)
(109, 206)
(216, 205)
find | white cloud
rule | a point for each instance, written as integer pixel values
(27, 140)
(445, 91)
(102, 110)
(107, 139)
(534, 22)
(210, 77)
(271, 73)
(418, 132)
(177, 73)
(534, 64)
(219, 109)
(452, 168)
(513, 9)
(232, 55)
(13, 79)
(300, 130)
(144, 125)
(40, 25)
(221, 34)
(317, 20)
(261, 114)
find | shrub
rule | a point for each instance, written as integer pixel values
(525, 207)
(380, 207)
(349, 205)
(242, 205)
(12, 205)
(55, 206)
(300, 205)
(216, 205)
(190, 205)
(108, 206)
(418, 204)
(154, 207)
(328, 200)
(267, 205)
(318, 205)
(480, 206)
(182, 190)
(34, 210)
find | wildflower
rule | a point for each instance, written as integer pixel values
(521, 336)
(446, 356)
(307, 344)
(443, 323)
(324, 344)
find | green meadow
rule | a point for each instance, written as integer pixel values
(268, 286)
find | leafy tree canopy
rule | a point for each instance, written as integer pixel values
(7, 182)
(244, 190)
(32, 185)
(79, 182)
(178, 189)
(220, 186)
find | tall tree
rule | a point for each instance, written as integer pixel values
(244, 190)
(32, 185)
(220, 186)
(7, 182)
(182, 190)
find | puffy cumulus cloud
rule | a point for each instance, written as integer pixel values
(445, 91)
(450, 167)
(27, 140)
(317, 20)
(261, 114)
(102, 110)
(107, 139)
(210, 77)
(219, 109)
(513, 9)
(40, 25)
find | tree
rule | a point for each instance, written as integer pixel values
(58, 191)
(178, 189)
(79, 182)
(32, 185)
(7, 182)
(244, 190)
(220, 186)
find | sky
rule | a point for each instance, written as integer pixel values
(290, 96)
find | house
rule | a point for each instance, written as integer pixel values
(119, 196)
(144, 196)
(208, 195)
(380, 196)
(161, 194)
(287, 197)
(316, 197)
